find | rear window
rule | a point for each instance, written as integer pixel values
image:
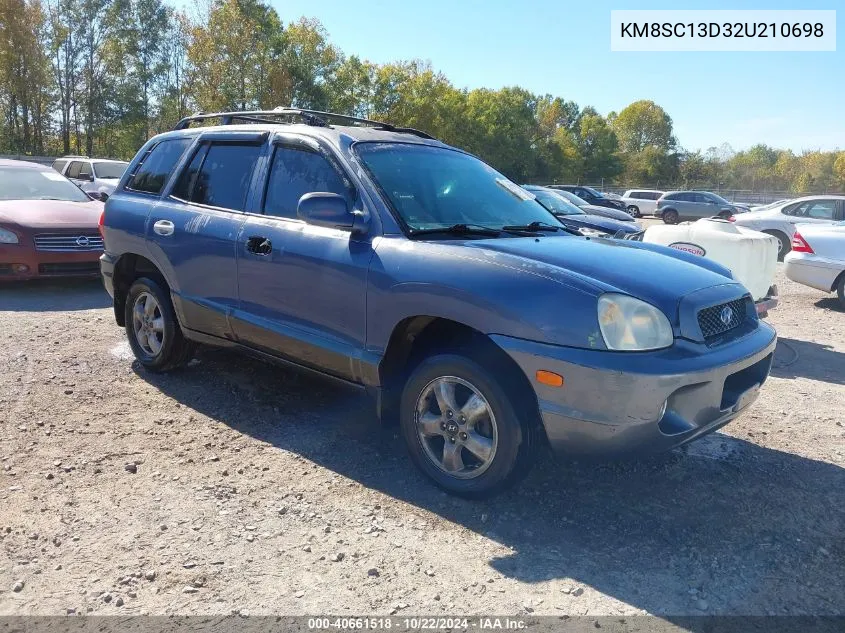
(155, 168)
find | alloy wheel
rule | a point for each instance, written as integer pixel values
(148, 323)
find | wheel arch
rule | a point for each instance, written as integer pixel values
(128, 268)
(417, 337)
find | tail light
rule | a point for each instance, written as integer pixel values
(800, 245)
(732, 219)
(100, 224)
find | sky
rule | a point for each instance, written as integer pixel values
(792, 100)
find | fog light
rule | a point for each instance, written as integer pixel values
(20, 268)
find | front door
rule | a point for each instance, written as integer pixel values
(303, 288)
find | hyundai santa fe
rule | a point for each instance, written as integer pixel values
(387, 260)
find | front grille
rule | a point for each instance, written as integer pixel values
(714, 320)
(69, 242)
(70, 268)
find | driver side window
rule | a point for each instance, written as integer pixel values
(296, 171)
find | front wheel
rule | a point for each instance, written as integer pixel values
(152, 329)
(462, 427)
(670, 217)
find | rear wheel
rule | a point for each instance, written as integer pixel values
(634, 210)
(152, 329)
(840, 290)
(670, 216)
(784, 244)
(462, 426)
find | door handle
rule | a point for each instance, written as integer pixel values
(164, 227)
(259, 245)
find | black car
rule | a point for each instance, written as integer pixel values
(574, 217)
(592, 209)
(591, 196)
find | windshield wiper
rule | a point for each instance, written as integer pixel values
(533, 226)
(458, 229)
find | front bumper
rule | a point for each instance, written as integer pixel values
(21, 262)
(612, 403)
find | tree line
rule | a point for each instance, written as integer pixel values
(99, 77)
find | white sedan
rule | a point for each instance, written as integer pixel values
(780, 220)
(818, 258)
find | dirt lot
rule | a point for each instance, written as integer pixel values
(234, 485)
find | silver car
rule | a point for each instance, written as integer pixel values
(92, 175)
(675, 206)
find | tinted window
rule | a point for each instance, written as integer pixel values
(221, 177)
(296, 172)
(85, 170)
(58, 165)
(73, 169)
(640, 195)
(188, 177)
(817, 209)
(109, 170)
(653, 195)
(157, 165)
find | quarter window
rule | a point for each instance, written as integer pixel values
(85, 170)
(156, 167)
(58, 165)
(295, 172)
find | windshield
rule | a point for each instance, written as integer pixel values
(109, 169)
(432, 187)
(578, 202)
(717, 199)
(556, 203)
(26, 183)
(597, 194)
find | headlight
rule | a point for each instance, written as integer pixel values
(628, 324)
(7, 237)
(592, 232)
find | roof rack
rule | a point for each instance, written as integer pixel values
(317, 118)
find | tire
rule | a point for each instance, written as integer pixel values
(634, 210)
(785, 244)
(170, 350)
(840, 290)
(670, 216)
(508, 436)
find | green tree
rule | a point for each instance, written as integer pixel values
(598, 145)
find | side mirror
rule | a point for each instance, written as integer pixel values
(330, 210)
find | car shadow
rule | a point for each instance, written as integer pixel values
(723, 525)
(41, 295)
(830, 303)
(805, 359)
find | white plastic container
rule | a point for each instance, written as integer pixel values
(752, 256)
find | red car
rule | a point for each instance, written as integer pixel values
(48, 225)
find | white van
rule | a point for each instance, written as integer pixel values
(641, 202)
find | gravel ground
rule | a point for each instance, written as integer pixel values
(237, 486)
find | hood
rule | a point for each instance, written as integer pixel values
(50, 214)
(599, 223)
(607, 212)
(656, 274)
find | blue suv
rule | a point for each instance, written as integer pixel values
(380, 257)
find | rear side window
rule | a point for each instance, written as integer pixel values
(59, 165)
(816, 209)
(73, 169)
(219, 175)
(156, 167)
(295, 172)
(85, 170)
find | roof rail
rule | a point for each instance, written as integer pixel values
(317, 118)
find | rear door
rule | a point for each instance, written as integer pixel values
(302, 287)
(194, 228)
